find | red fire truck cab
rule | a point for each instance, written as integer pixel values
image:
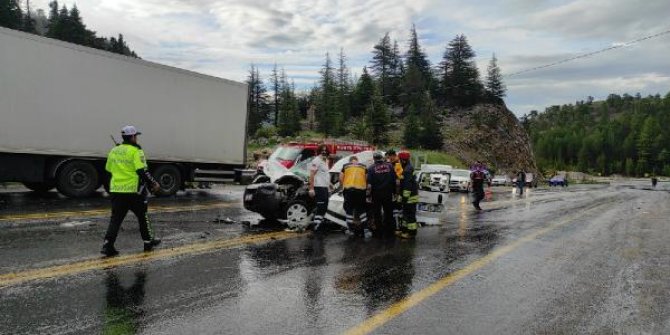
(291, 153)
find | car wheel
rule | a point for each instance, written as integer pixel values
(296, 211)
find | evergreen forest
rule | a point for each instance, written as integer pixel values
(399, 87)
(623, 134)
(61, 23)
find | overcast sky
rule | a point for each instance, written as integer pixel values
(223, 37)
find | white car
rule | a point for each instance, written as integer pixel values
(500, 180)
(430, 208)
(460, 180)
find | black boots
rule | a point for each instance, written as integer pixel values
(149, 245)
(109, 250)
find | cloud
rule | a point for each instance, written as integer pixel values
(223, 37)
(617, 20)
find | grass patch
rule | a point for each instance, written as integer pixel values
(436, 157)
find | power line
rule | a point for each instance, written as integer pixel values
(589, 54)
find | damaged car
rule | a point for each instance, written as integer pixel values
(282, 194)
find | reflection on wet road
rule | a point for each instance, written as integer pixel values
(590, 258)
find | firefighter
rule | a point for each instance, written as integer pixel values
(354, 183)
(382, 185)
(128, 190)
(409, 192)
(319, 184)
(392, 158)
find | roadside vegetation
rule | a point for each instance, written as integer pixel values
(623, 135)
(61, 23)
(400, 98)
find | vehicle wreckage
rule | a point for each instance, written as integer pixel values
(281, 194)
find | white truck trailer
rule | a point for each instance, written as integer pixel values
(60, 102)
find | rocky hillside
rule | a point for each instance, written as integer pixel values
(489, 133)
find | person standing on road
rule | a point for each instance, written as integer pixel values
(128, 190)
(409, 192)
(354, 183)
(382, 186)
(654, 181)
(521, 181)
(319, 184)
(477, 178)
(392, 158)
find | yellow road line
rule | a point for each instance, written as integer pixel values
(386, 315)
(107, 211)
(10, 279)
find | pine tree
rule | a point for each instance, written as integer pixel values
(430, 135)
(418, 77)
(27, 22)
(396, 72)
(412, 129)
(77, 33)
(363, 94)
(330, 122)
(275, 85)
(495, 87)
(377, 119)
(381, 67)
(287, 108)
(53, 12)
(344, 94)
(59, 28)
(417, 57)
(257, 104)
(11, 15)
(460, 77)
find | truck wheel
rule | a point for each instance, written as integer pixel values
(42, 187)
(169, 177)
(77, 179)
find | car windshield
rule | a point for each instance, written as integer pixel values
(302, 169)
(286, 153)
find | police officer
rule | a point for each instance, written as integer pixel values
(354, 183)
(409, 192)
(128, 190)
(382, 186)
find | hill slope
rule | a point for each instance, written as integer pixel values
(490, 133)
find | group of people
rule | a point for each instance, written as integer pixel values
(480, 175)
(386, 191)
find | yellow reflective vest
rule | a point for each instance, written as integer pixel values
(354, 176)
(123, 162)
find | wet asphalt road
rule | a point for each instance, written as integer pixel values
(586, 259)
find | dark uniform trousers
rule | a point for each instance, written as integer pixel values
(121, 204)
(321, 195)
(354, 205)
(478, 191)
(382, 200)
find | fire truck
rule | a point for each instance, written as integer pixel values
(292, 153)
